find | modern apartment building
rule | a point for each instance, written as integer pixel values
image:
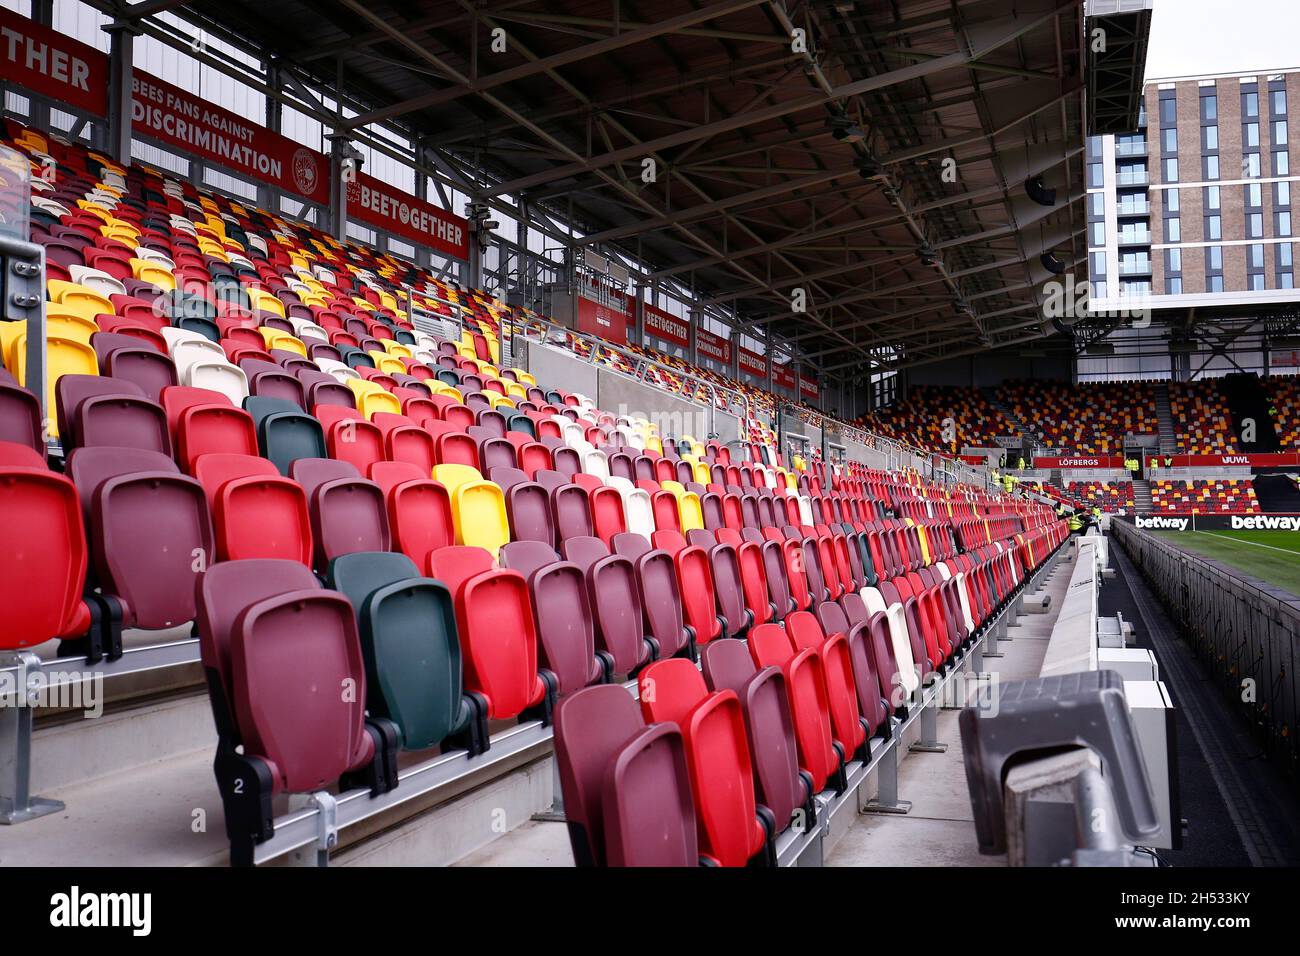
(1196, 208)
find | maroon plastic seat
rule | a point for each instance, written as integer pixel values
(805, 683)
(661, 600)
(626, 785)
(147, 367)
(528, 506)
(615, 601)
(271, 641)
(731, 828)
(348, 512)
(562, 611)
(20, 417)
(144, 517)
(121, 421)
(780, 785)
(71, 390)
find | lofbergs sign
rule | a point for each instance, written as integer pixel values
(384, 207)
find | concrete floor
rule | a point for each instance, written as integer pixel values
(939, 830)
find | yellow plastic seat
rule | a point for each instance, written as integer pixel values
(525, 377)
(396, 349)
(516, 390)
(261, 299)
(279, 339)
(442, 388)
(80, 299)
(68, 325)
(385, 362)
(371, 397)
(62, 357)
(478, 508)
(155, 273)
(499, 401)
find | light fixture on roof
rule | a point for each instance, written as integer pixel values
(1039, 191)
(1051, 263)
(928, 256)
(869, 167)
(846, 131)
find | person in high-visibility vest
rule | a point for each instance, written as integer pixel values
(1022, 463)
(1008, 482)
(1060, 510)
(1075, 523)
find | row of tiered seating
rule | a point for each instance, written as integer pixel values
(922, 419)
(1284, 396)
(1202, 422)
(1213, 496)
(1109, 496)
(1083, 419)
(255, 439)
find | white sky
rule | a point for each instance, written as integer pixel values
(1191, 37)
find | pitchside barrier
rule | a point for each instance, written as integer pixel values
(1246, 632)
(1204, 522)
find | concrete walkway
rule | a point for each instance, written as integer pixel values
(940, 829)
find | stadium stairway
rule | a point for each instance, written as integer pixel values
(1277, 493)
(1165, 416)
(1247, 400)
(1142, 496)
(991, 394)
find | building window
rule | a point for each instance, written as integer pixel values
(1279, 102)
(1284, 255)
(1254, 195)
(1209, 108)
(1279, 133)
(1098, 203)
(1095, 176)
(1211, 138)
(1249, 104)
(1251, 136)
(1281, 163)
(1284, 224)
(1281, 194)
(1171, 200)
(1214, 258)
(1251, 165)
(1099, 233)
(1255, 226)
(1168, 112)
(1169, 139)
(1173, 230)
(1214, 284)
(1214, 228)
(1174, 285)
(1098, 263)
(1211, 167)
(1257, 282)
(1285, 280)
(1211, 197)
(1257, 256)
(1174, 260)
(1171, 170)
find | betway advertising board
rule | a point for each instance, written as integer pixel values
(1269, 522)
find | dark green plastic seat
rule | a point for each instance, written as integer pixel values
(521, 423)
(411, 648)
(285, 432)
(864, 551)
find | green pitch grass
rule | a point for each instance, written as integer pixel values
(1271, 556)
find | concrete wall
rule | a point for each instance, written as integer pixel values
(619, 394)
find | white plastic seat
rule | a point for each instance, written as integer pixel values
(185, 353)
(97, 280)
(222, 377)
(596, 462)
(340, 370)
(174, 336)
(637, 508)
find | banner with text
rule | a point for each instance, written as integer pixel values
(51, 64)
(608, 323)
(710, 346)
(1083, 461)
(385, 207)
(751, 363)
(666, 326)
(1213, 522)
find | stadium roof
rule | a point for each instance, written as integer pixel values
(871, 153)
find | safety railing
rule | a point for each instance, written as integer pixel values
(1246, 632)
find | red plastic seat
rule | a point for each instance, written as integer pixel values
(717, 753)
(256, 511)
(419, 509)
